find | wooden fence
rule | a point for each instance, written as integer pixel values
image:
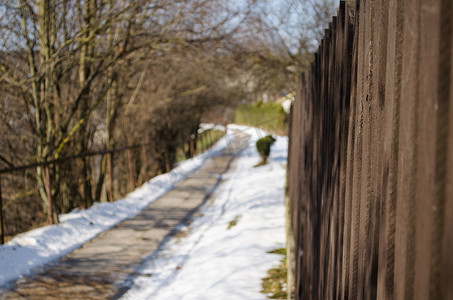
(371, 156)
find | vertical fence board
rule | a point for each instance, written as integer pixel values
(443, 12)
(353, 9)
(363, 185)
(345, 82)
(405, 224)
(376, 147)
(357, 155)
(390, 153)
(427, 118)
(446, 268)
(338, 201)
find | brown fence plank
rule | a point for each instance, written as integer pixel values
(344, 228)
(446, 268)
(357, 155)
(380, 31)
(405, 218)
(390, 152)
(425, 197)
(346, 274)
(366, 100)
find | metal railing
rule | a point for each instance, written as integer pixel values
(46, 165)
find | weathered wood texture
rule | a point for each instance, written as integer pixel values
(371, 155)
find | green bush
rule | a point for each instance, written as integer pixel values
(269, 116)
(263, 146)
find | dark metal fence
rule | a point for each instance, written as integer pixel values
(371, 155)
(20, 178)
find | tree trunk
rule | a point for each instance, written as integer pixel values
(86, 54)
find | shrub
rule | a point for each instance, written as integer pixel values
(263, 146)
(269, 116)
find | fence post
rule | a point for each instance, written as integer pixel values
(131, 169)
(192, 147)
(110, 170)
(195, 143)
(2, 233)
(202, 141)
(208, 139)
(167, 160)
(145, 160)
(82, 187)
(49, 196)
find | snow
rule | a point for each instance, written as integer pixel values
(41, 246)
(287, 105)
(212, 261)
(207, 126)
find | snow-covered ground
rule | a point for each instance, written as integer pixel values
(38, 247)
(217, 262)
(212, 261)
(206, 126)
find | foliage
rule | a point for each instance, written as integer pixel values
(263, 145)
(281, 251)
(233, 222)
(269, 116)
(275, 283)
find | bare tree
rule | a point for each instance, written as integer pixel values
(278, 40)
(70, 68)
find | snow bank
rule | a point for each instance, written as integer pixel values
(212, 261)
(38, 247)
(208, 126)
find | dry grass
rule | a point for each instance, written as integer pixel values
(274, 284)
(233, 222)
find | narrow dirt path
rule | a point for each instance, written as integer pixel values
(100, 268)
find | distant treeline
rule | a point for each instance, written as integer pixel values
(269, 116)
